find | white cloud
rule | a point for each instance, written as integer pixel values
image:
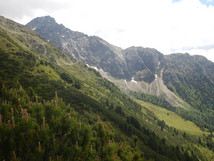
(25, 10)
(169, 27)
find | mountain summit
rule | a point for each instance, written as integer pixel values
(133, 63)
(91, 50)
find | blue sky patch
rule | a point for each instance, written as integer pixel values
(207, 2)
(175, 1)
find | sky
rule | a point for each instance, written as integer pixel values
(170, 26)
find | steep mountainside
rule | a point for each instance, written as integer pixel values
(144, 64)
(41, 69)
(191, 77)
(96, 52)
(135, 64)
(130, 67)
(91, 50)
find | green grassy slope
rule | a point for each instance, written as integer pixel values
(171, 126)
(172, 119)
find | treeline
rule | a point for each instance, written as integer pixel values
(154, 100)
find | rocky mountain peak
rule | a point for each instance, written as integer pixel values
(41, 20)
(134, 62)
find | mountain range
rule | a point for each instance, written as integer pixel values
(94, 101)
(136, 68)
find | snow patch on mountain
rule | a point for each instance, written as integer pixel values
(133, 81)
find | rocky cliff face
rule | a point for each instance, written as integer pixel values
(91, 50)
(132, 63)
(144, 64)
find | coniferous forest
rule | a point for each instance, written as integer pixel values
(32, 128)
(35, 129)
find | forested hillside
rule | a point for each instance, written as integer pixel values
(35, 129)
